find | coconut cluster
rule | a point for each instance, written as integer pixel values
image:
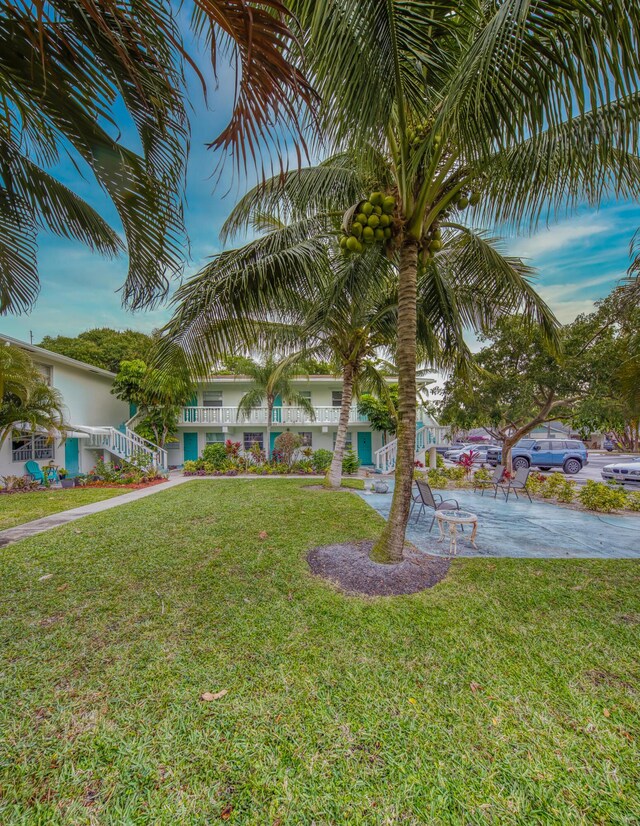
(466, 199)
(371, 224)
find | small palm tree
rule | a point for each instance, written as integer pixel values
(67, 70)
(26, 402)
(271, 379)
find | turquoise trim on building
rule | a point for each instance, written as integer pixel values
(72, 457)
(365, 450)
(190, 447)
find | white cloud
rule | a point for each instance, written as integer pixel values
(561, 236)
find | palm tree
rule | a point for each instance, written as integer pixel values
(271, 379)
(67, 71)
(26, 402)
(516, 107)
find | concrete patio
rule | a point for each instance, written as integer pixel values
(518, 528)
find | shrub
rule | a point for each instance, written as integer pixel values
(456, 473)
(481, 475)
(18, 484)
(633, 500)
(321, 460)
(536, 483)
(232, 448)
(439, 461)
(437, 478)
(215, 454)
(597, 496)
(566, 492)
(350, 462)
(288, 444)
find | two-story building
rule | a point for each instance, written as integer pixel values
(96, 418)
(213, 416)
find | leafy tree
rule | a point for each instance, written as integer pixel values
(381, 412)
(67, 70)
(510, 107)
(271, 378)
(102, 346)
(519, 382)
(26, 401)
(158, 398)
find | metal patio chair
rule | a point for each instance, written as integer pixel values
(518, 482)
(495, 480)
(426, 498)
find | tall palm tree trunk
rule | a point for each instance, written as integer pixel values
(267, 447)
(334, 476)
(389, 546)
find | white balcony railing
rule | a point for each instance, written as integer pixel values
(258, 416)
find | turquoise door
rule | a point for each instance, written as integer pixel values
(364, 448)
(277, 412)
(190, 447)
(272, 442)
(71, 454)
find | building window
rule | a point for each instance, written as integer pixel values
(27, 446)
(212, 438)
(212, 398)
(46, 371)
(348, 442)
(249, 439)
(307, 439)
(306, 394)
(336, 398)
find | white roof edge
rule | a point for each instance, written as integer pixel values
(49, 354)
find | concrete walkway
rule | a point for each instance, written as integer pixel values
(519, 528)
(10, 535)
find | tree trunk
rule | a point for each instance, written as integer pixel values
(334, 476)
(390, 545)
(507, 447)
(267, 447)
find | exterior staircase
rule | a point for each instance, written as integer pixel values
(426, 437)
(127, 445)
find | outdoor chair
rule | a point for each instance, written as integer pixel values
(33, 469)
(426, 498)
(518, 482)
(495, 480)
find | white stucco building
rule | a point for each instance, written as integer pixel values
(212, 416)
(97, 418)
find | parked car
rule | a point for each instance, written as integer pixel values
(456, 449)
(568, 454)
(627, 472)
(477, 452)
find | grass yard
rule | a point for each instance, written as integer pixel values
(18, 508)
(508, 694)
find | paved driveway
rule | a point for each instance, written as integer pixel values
(523, 529)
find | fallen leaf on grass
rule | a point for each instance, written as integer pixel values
(46, 576)
(208, 696)
(62, 587)
(263, 534)
(606, 712)
(475, 687)
(225, 814)
(412, 700)
(494, 722)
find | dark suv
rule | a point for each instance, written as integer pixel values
(568, 454)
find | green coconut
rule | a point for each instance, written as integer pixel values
(389, 204)
(367, 208)
(438, 234)
(376, 198)
(353, 243)
(387, 232)
(463, 202)
(367, 234)
(343, 241)
(384, 220)
(377, 210)
(373, 221)
(378, 234)
(435, 245)
(361, 218)
(356, 229)
(474, 198)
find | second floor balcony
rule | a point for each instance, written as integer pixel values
(258, 416)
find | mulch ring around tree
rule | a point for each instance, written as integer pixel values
(349, 567)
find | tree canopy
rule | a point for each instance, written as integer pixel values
(102, 346)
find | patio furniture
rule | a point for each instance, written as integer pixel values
(428, 499)
(33, 469)
(453, 518)
(518, 482)
(495, 480)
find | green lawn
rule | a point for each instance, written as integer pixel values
(508, 694)
(17, 508)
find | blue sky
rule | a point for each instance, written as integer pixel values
(579, 258)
